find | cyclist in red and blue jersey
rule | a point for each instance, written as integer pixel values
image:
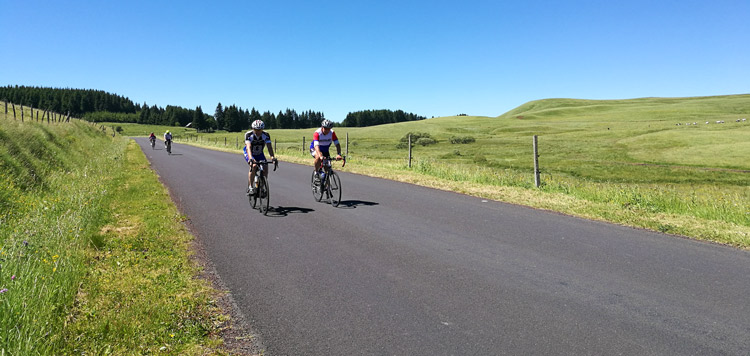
(255, 140)
(321, 143)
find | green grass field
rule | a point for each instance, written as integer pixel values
(94, 258)
(625, 161)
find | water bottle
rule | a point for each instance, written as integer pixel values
(322, 175)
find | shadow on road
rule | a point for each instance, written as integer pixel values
(280, 211)
(351, 204)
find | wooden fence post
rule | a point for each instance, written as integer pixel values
(536, 163)
(303, 143)
(21, 112)
(347, 144)
(409, 150)
(14, 110)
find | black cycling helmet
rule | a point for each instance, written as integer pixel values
(327, 124)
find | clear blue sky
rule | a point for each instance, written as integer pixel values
(432, 58)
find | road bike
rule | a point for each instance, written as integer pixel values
(153, 142)
(169, 146)
(262, 196)
(327, 183)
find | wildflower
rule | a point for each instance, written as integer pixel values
(13, 277)
(3, 290)
(25, 243)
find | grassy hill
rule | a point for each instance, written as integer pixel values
(650, 162)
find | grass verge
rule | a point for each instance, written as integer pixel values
(94, 258)
(140, 295)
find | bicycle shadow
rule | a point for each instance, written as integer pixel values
(281, 211)
(353, 204)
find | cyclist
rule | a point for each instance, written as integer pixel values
(167, 138)
(152, 138)
(255, 140)
(321, 142)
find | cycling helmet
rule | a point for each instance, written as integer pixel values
(167, 131)
(258, 125)
(327, 124)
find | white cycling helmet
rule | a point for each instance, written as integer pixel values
(258, 125)
(327, 124)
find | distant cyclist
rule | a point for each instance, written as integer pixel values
(167, 138)
(255, 141)
(152, 139)
(321, 142)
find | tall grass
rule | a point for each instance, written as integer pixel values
(53, 181)
(87, 265)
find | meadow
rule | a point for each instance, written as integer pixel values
(94, 258)
(658, 163)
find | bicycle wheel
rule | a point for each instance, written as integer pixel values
(334, 188)
(253, 200)
(263, 195)
(315, 184)
(169, 147)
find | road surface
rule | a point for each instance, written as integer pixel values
(400, 269)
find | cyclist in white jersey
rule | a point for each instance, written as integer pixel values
(255, 140)
(321, 143)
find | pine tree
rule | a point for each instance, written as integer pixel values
(219, 117)
(199, 120)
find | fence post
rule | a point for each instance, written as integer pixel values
(303, 143)
(409, 150)
(21, 112)
(237, 142)
(536, 163)
(347, 144)
(274, 146)
(225, 141)
(14, 110)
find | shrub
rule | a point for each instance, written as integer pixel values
(415, 139)
(462, 139)
(424, 141)
(415, 136)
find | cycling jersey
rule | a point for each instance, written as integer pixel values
(168, 137)
(257, 144)
(323, 141)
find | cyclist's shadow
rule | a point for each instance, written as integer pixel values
(281, 211)
(353, 204)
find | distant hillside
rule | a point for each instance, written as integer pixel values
(651, 108)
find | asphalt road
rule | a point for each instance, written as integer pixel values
(400, 269)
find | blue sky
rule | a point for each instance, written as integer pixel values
(432, 58)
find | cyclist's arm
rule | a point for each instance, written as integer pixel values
(270, 150)
(338, 151)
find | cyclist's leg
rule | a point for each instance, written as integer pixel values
(317, 159)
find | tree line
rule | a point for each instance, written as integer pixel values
(101, 106)
(378, 117)
(233, 118)
(75, 101)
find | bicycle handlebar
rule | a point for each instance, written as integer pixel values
(343, 158)
(275, 163)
